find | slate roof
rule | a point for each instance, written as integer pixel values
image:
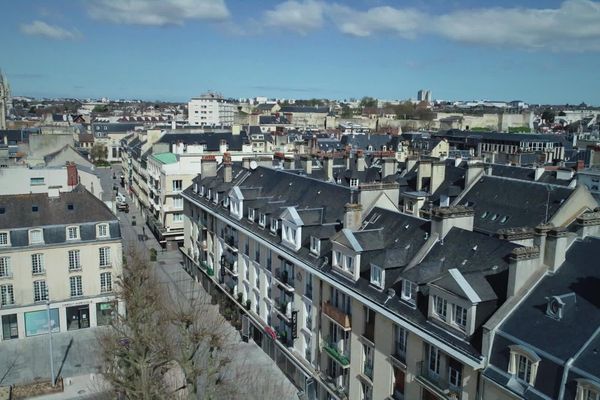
(18, 209)
(165, 158)
(522, 202)
(211, 140)
(304, 109)
(273, 120)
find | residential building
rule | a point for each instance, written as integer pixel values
(352, 299)
(58, 250)
(211, 109)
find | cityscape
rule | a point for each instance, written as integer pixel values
(300, 199)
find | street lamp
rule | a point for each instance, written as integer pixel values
(52, 378)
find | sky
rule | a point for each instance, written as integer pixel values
(537, 51)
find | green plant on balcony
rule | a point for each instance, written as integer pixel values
(334, 352)
(248, 303)
(210, 271)
(240, 297)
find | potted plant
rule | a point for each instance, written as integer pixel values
(240, 297)
(248, 304)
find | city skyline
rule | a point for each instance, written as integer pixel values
(304, 49)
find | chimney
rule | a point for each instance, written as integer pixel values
(208, 168)
(539, 238)
(352, 216)
(360, 161)
(538, 173)
(222, 146)
(523, 264)
(580, 165)
(246, 162)
(445, 218)
(347, 159)
(307, 164)
(227, 173)
(474, 171)
(556, 248)
(423, 171)
(72, 175)
(390, 167)
(328, 167)
(438, 174)
(236, 129)
(410, 163)
(288, 163)
(589, 224)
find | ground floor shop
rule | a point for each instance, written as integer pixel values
(21, 322)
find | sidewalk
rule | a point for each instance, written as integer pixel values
(79, 387)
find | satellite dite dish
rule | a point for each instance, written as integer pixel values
(253, 165)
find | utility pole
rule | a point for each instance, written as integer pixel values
(52, 378)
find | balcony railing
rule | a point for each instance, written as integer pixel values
(286, 278)
(399, 353)
(230, 267)
(438, 382)
(368, 369)
(337, 315)
(338, 352)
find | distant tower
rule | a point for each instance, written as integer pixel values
(5, 100)
(424, 95)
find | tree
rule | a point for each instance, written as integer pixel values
(548, 116)
(100, 109)
(368, 102)
(99, 152)
(346, 111)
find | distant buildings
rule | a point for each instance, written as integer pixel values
(424, 95)
(5, 100)
(211, 109)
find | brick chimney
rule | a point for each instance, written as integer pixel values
(72, 175)
(360, 161)
(208, 167)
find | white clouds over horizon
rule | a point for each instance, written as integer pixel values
(574, 26)
(43, 29)
(157, 12)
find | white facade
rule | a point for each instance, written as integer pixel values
(210, 110)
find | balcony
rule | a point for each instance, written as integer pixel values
(230, 267)
(437, 382)
(336, 315)
(284, 309)
(368, 369)
(231, 241)
(339, 353)
(337, 385)
(285, 279)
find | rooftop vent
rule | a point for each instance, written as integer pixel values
(34, 208)
(70, 206)
(557, 306)
(2, 210)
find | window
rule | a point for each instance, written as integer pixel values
(588, 393)
(460, 316)
(262, 220)
(177, 185)
(409, 291)
(315, 245)
(178, 202)
(523, 368)
(226, 202)
(36, 236)
(105, 282)
(37, 263)
(72, 233)
(5, 271)
(40, 291)
(349, 261)
(308, 286)
(504, 219)
(376, 276)
(337, 259)
(454, 373)
(434, 360)
(251, 214)
(523, 363)
(353, 183)
(7, 295)
(484, 215)
(178, 217)
(105, 260)
(75, 285)
(36, 181)
(400, 339)
(74, 260)
(274, 225)
(4, 238)
(440, 306)
(102, 230)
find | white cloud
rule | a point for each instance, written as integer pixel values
(158, 12)
(573, 26)
(41, 28)
(299, 16)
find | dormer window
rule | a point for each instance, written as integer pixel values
(523, 364)
(353, 183)
(587, 390)
(315, 245)
(209, 194)
(195, 188)
(409, 291)
(262, 220)
(459, 316)
(251, 214)
(440, 307)
(216, 198)
(274, 225)
(36, 236)
(72, 233)
(377, 278)
(102, 230)
(226, 201)
(202, 191)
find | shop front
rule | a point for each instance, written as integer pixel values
(10, 328)
(105, 312)
(36, 322)
(78, 317)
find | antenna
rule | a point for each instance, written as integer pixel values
(390, 293)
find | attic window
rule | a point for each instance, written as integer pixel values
(484, 215)
(70, 206)
(2, 210)
(504, 219)
(315, 245)
(377, 276)
(34, 208)
(469, 203)
(495, 217)
(353, 182)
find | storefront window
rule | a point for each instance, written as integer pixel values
(9, 327)
(36, 322)
(104, 313)
(78, 317)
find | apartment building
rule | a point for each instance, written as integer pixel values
(168, 175)
(352, 299)
(60, 251)
(211, 109)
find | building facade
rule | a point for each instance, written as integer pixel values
(211, 109)
(59, 252)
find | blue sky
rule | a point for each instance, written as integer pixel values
(540, 52)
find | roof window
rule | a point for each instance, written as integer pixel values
(504, 219)
(34, 208)
(484, 215)
(70, 206)
(495, 217)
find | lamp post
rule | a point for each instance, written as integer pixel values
(52, 378)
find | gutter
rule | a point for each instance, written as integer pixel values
(570, 362)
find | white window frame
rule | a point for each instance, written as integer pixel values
(274, 225)
(104, 257)
(33, 233)
(102, 231)
(40, 291)
(5, 267)
(7, 295)
(440, 307)
(315, 245)
(72, 232)
(37, 264)
(251, 214)
(460, 316)
(377, 276)
(105, 282)
(262, 220)
(518, 354)
(407, 291)
(76, 286)
(178, 202)
(74, 260)
(4, 239)
(177, 188)
(179, 216)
